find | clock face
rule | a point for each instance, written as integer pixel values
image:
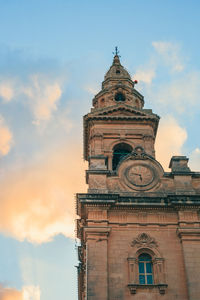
(140, 175)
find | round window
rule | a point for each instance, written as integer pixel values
(120, 97)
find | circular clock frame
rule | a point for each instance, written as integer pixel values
(140, 176)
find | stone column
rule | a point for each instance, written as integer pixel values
(97, 263)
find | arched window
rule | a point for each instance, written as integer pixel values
(145, 269)
(119, 152)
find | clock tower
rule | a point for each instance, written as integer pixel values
(139, 227)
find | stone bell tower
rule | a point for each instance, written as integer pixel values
(139, 227)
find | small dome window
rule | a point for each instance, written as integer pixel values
(120, 97)
(117, 71)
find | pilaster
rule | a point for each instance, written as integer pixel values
(96, 262)
(190, 239)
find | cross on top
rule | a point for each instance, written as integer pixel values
(116, 51)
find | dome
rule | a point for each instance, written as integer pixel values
(118, 88)
(117, 71)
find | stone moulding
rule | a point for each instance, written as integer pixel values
(133, 287)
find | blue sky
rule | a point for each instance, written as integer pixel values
(53, 56)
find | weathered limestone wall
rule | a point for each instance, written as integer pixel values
(119, 249)
(104, 135)
(110, 251)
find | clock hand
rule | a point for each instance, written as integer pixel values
(132, 173)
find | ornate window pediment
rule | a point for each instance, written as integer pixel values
(148, 274)
(144, 240)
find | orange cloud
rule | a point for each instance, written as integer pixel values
(5, 138)
(27, 293)
(169, 141)
(37, 201)
(10, 294)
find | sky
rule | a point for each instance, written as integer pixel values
(53, 57)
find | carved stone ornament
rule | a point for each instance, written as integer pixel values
(139, 153)
(144, 240)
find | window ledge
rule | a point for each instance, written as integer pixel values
(134, 286)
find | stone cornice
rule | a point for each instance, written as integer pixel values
(96, 233)
(165, 175)
(189, 233)
(191, 173)
(120, 107)
(139, 201)
(96, 230)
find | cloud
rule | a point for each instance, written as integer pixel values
(27, 293)
(181, 94)
(10, 294)
(167, 54)
(40, 91)
(40, 203)
(5, 138)
(34, 83)
(169, 141)
(6, 90)
(91, 89)
(145, 75)
(178, 91)
(44, 96)
(170, 53)
(31, 292)
(194, 161)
